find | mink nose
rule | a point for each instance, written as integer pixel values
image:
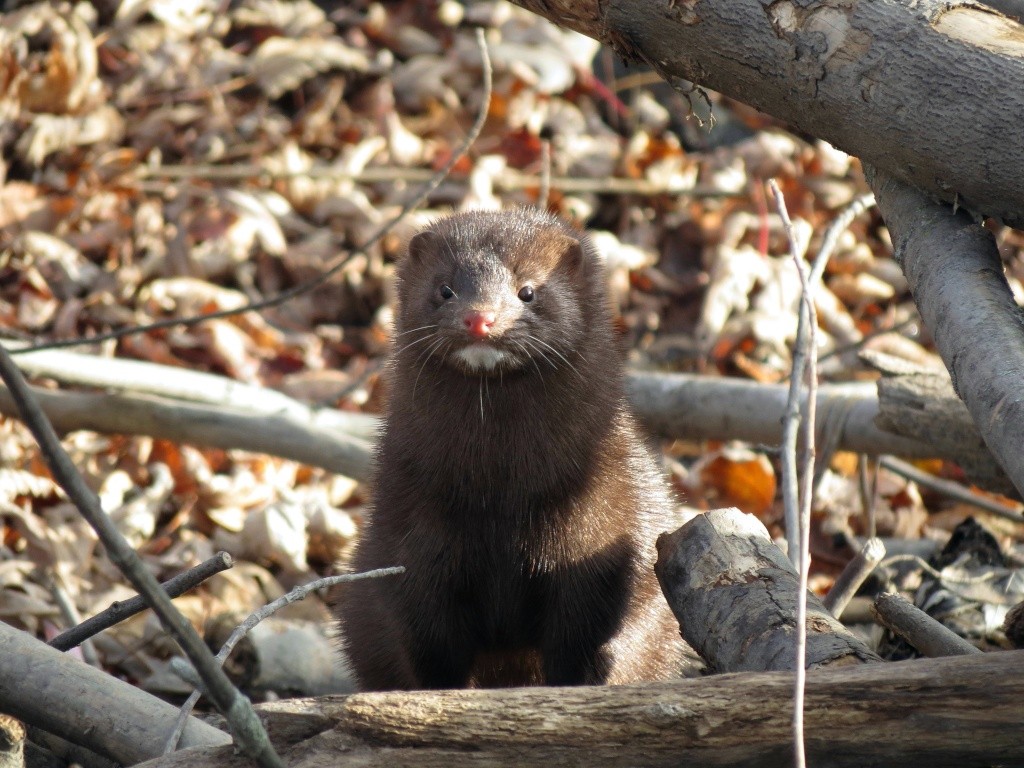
(478, 324)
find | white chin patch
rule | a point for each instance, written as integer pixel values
(481, 357)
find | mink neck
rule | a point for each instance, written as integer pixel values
(506, 439)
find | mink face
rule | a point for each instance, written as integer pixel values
(511, 481)
(491, 293)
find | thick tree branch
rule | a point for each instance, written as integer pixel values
(917, 89)
(913, 714)
(955, 274)
(672, 405)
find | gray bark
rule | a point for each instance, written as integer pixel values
(735, 595)
(923, 406)
(919, 629)
(921, 90)
(55, 692)
(956, 277)
(915, 714)
(900, 420)
(704, 408)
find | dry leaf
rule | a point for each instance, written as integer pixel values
(281, 64)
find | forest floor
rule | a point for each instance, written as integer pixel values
(165, 159)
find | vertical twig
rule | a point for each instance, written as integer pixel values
(799, 428)
(798, 499)
(544, 196)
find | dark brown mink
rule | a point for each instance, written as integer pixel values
(511, 480)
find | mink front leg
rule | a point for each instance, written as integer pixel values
(588, 604)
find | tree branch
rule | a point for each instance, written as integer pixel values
(841, 71)
(956, 278)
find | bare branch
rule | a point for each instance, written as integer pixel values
(124, 609)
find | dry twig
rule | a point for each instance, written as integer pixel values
(124, 609)
(919, 629)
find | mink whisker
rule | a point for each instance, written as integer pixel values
(430, 353)
(412, 344)
(563, 357)
(413, 330)
(533, 358)
(539, 351)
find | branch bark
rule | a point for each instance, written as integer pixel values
(724, 720)
(57, 693)
(956, 278)
(735, 595)
(698, 407)
(915, 89)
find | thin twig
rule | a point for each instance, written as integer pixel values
(249, 734)
(855, 345)
(544, 195)
(335, 265)
(951, 578)
(835, 229)
(299, 593)
(804, 367)
(123, 609)
(509, 180)
(868, 490)
(69, 612)
(853, 575)
(950, 489)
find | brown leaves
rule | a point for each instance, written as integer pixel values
(180, 158)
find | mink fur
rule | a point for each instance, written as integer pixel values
(511, 480)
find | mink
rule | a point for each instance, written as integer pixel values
(511, 480)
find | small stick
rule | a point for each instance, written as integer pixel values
(853, 575)
(950, 489)
(254, 618)
(798, 499)
(543, 197)
(123, 609)
(928, 636)
(69, 612)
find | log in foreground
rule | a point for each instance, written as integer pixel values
(735, 595)
(932, 713)
(57, 693)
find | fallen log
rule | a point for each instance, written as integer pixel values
(735, 595)
(932, 713)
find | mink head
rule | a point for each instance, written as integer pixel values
(493, 292)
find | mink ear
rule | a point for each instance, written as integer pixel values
(571, 253)
(423, 244)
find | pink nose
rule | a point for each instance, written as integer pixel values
(478, 324)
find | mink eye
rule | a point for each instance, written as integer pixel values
(446, 292)
(526, 293)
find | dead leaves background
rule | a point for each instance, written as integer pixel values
(160, 158)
